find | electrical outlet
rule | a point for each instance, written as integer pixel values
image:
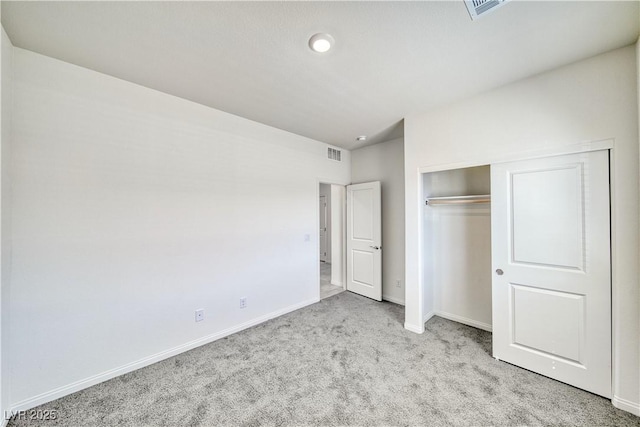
(398, 283)
(200, 315)
(243, 302)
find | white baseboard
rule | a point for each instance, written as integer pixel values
(393, 299)
(418, 329)
(427, 316)
(337, 284)
(414, 328)
(464, 320)
(59, 392)
(626, 405)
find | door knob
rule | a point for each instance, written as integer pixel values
(375, 247)
(499, 272)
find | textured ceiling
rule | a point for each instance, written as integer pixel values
(391, 59)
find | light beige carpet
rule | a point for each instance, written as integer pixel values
(344, 361)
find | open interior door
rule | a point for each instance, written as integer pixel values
(552, 270)
(364, 240)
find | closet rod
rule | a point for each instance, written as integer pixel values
(459, 200)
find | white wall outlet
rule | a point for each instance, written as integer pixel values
(200, 315)
(243, 302)
(307, 237)
(398, 283)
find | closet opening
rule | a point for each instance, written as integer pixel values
(457, 245)
(532, 237)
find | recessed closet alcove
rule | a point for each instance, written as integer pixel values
(457, 245)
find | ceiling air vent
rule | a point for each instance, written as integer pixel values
(334, 154)
(478, 8)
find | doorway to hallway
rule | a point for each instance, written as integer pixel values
(326, 288)
(331, 239)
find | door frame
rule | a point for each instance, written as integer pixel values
(343, 236)
(326, 240)
(587, 146)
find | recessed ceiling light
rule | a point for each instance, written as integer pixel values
(361, 138)
(321, 42)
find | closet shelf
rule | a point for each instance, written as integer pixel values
(459, 200)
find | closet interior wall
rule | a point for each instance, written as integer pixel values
(457, 248)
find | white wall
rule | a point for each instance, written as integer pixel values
(6, 57)
(385, 163)
(338, 243)
(132, 209)
(325, 190)
(457, 248)
(638, 99)
(590, 100)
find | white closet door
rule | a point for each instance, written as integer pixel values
(552, 270)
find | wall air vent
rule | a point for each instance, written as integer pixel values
(478, 8)
(334, 154)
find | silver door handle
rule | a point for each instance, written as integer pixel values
(376, 247)
(499, 272)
